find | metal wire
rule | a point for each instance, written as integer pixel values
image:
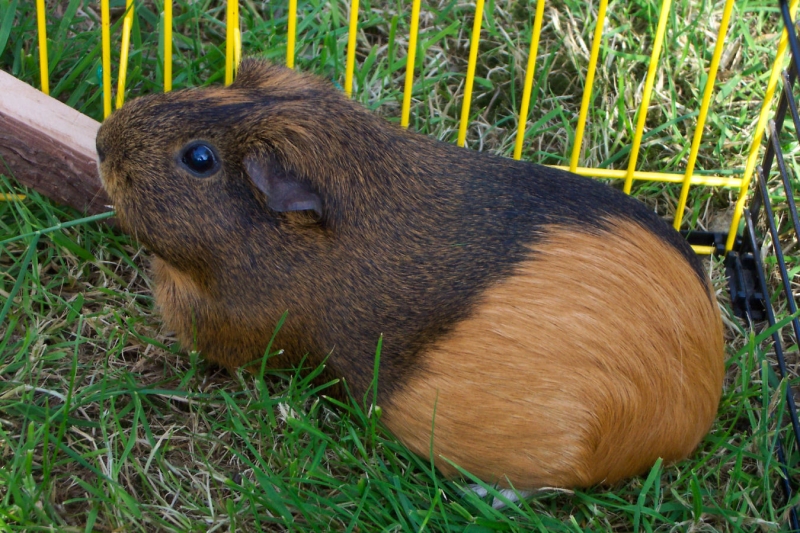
(473, 61)
(167, 46)
(351, 48)
(755, 146)
(410, 60)
(588, 86)
(761, 210)
(44, 71)
(105, 32)
(528, 89)
(127, 24)
(648, 88)
(752, 242)
(291, 34)
(701, 119)
(231, 23)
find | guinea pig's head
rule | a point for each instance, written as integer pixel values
(189, 172)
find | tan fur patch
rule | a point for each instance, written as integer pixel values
(171, 279)
(601, 354)
(179, 298)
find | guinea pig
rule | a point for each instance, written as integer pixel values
(540, 329)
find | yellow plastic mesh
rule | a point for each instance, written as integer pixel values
(687, 179)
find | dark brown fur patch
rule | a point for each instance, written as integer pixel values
(599, 355)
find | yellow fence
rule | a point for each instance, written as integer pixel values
(688, 178)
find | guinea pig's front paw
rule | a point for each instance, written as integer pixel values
(513, 496)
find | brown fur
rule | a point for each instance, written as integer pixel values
(554, 316)
(572, 371)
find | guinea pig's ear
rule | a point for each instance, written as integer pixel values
(283, 190)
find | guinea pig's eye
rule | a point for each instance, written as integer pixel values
(200, 159)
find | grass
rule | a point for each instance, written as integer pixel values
(106, 424)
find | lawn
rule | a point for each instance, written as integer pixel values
(107, 424)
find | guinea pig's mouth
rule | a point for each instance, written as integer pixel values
(104, 170)
(108, 182)
(111, 185)
(114, 181)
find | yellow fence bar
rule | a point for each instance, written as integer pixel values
(237, 39)
(473, 60)
(291, 36)
(127, 23)
(351, 48)
(755, 147)
(10, 197)
(701, 119)
(703, 250)
(237, 49)
(412, 56)
(106, 38)
(44, 71)
(230, 18)
(167, 46)
(588, 86)
(648, 88)
(665, 177)
(526, 92)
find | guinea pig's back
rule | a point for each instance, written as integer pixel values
(599, 352)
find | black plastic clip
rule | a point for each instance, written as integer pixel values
(747, 299)
(709, 238)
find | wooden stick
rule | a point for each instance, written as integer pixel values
(48, 146)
